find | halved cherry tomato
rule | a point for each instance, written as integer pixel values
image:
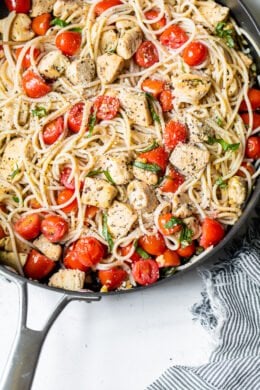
(153, 14)
(249, 167)
(253, 147)
(168, 259)
(163, 220)
(53, 130)
(34, 86)
(212, 233)
(68, 42)
(71, 260)
(254, 98)
(165, 100)
(173, 37)
(41, 24)
(26, 62)
(75, 117)
(102, 6)
(124, 250)
(106, 107)
(174, 133)
(29, 226)
(34, 204)
(146, 54)
(19, 6)
(256, 119)
(187, 251)
(91, 212)
(154, 245)
(38, 266)
(155, 87)
(112, 278)
(146, 272)
(172, 181)
(64, 179)
(2, 232)
(54, 228)
(63, 197)
(195, 53)
(90, 251)
(156, 156)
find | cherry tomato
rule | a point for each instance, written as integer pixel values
(90, 251)
(54, 228)
(163, 220)
(106, 107)
(155, 87)
(173, 37)
(153, 14)
(63, 197)
(145, 272)
(168, 259)
(75, 117)
(212, 233)
(34, 86)
(174, 133)
(146, 54)
(71, 260)
(34, 204)
(187, 251)
(195, 53)
(64, 179)
(91, 212)
(53, 130)
(154, 245)
(26, 62)
(254, 98)
(41, 24)
(253, 147)
(19, 6)
(2, 232)
(68, 42)
(165, 100)
(156, 156)
(29, 226)
(102, 6)
(112, 278)
(172, 181)
(249, 167)
(38, 266)
(124, 250)
(256, 119)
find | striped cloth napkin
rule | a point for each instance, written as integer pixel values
(231, 311)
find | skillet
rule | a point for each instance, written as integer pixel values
(23, 358)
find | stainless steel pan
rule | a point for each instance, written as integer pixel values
(23, 359)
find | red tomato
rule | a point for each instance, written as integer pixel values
(254, 98)
(174, 133)
(153, 14)
(187, 251)
(68, 42)
(256, 119)
(154, 245)
(165, 100)
(172, 181)
(53, 130)
(54, 228)
(195, 53)
(91, 212)
(29, 226)
(156, 156)
(145, 272)
(26, 62)
(163, 220)
(124, 250)
(41, 24)
(2, 232)
(71, 260)
(155, 87)
(168, 259)
(90, 251)
(173, 37)
(146, 54)
(64, 179)
(253, 147)
(19, 6)
(106, 107)
(249, 167)
(38, 266)
(75, 117)
(102, 6)
(112, 278)
(212, 233)
(34, 86)
(63, 197)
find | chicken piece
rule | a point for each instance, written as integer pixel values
(109, 66)
(189, 159)
(69, 279)
(63, 9)
(6, 244)
(141, 196)
(52, 251)
(81, 72)
(148, 177)
(108, 41)
(120, 219)
(124, 25)
(53, 64)
(136, 107)
(21, 28)
(213, 12)
(236, 191)
(40, 7)
(247, 60)
(129, 42)
(12, 159)
(192, 223)
(190, 87)
(9, 259)
(198, 131)
(117, 165)
(182, 207)
(98, 192)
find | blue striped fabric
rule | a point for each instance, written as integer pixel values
(230, 309)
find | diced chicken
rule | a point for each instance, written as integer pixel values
(136, 107)
(198, 131)
(141, 196)
(191, 87)
(236, 191)
(109, 66)
(192, 223)
(40, 7)
(9, 259)
(6, 244)
(108, 41)
(182, 207)
(213, 12)
(53, 64)
(69, 279)
(21, 28)
(63, 9)
(52, 251)
(189, 159)
(120, 219)
(12, 159)
(81, 72)
(129, 42)
(117, 165)
(247, 60)
(98, 192)
(123, 25)
(148, 177)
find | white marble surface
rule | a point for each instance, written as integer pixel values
(119, 343)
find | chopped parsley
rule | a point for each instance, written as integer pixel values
(220, 183)
(224, 31)
(153, 146)
(105, 232)
(150, 100)
(142, 253)
(147, 167)
(225, 145)
(40, 112)
(59, 22)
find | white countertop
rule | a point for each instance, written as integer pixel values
(120, 343)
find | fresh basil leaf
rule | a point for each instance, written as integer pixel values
(105, 232)
(92, 123)
(108, 176)
(211, 140)
(40, 112)
(94, 173)
(150, 100)
(220, 183)
(76, 29)
(153, 146)
(59, 22)
(173, 222)
(15, 173)
(142, 253)
(147, 167)
(186, 236)
(16, 199)
(225, 145)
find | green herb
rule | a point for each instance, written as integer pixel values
(108, 176)
(14, 173)
(173, 222)
(142, 253)
(105, 232)
(166, 272)
(219, 122)
(226, 33)
(40, 112)
(147, 167)
(220, 183)
(186, 236)
(76, 29)
(94, 173)
(150, 100)
(92, 123)
(199, 250)
(59, 22)
(225, 145)
(16, 199)
(153, 146)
